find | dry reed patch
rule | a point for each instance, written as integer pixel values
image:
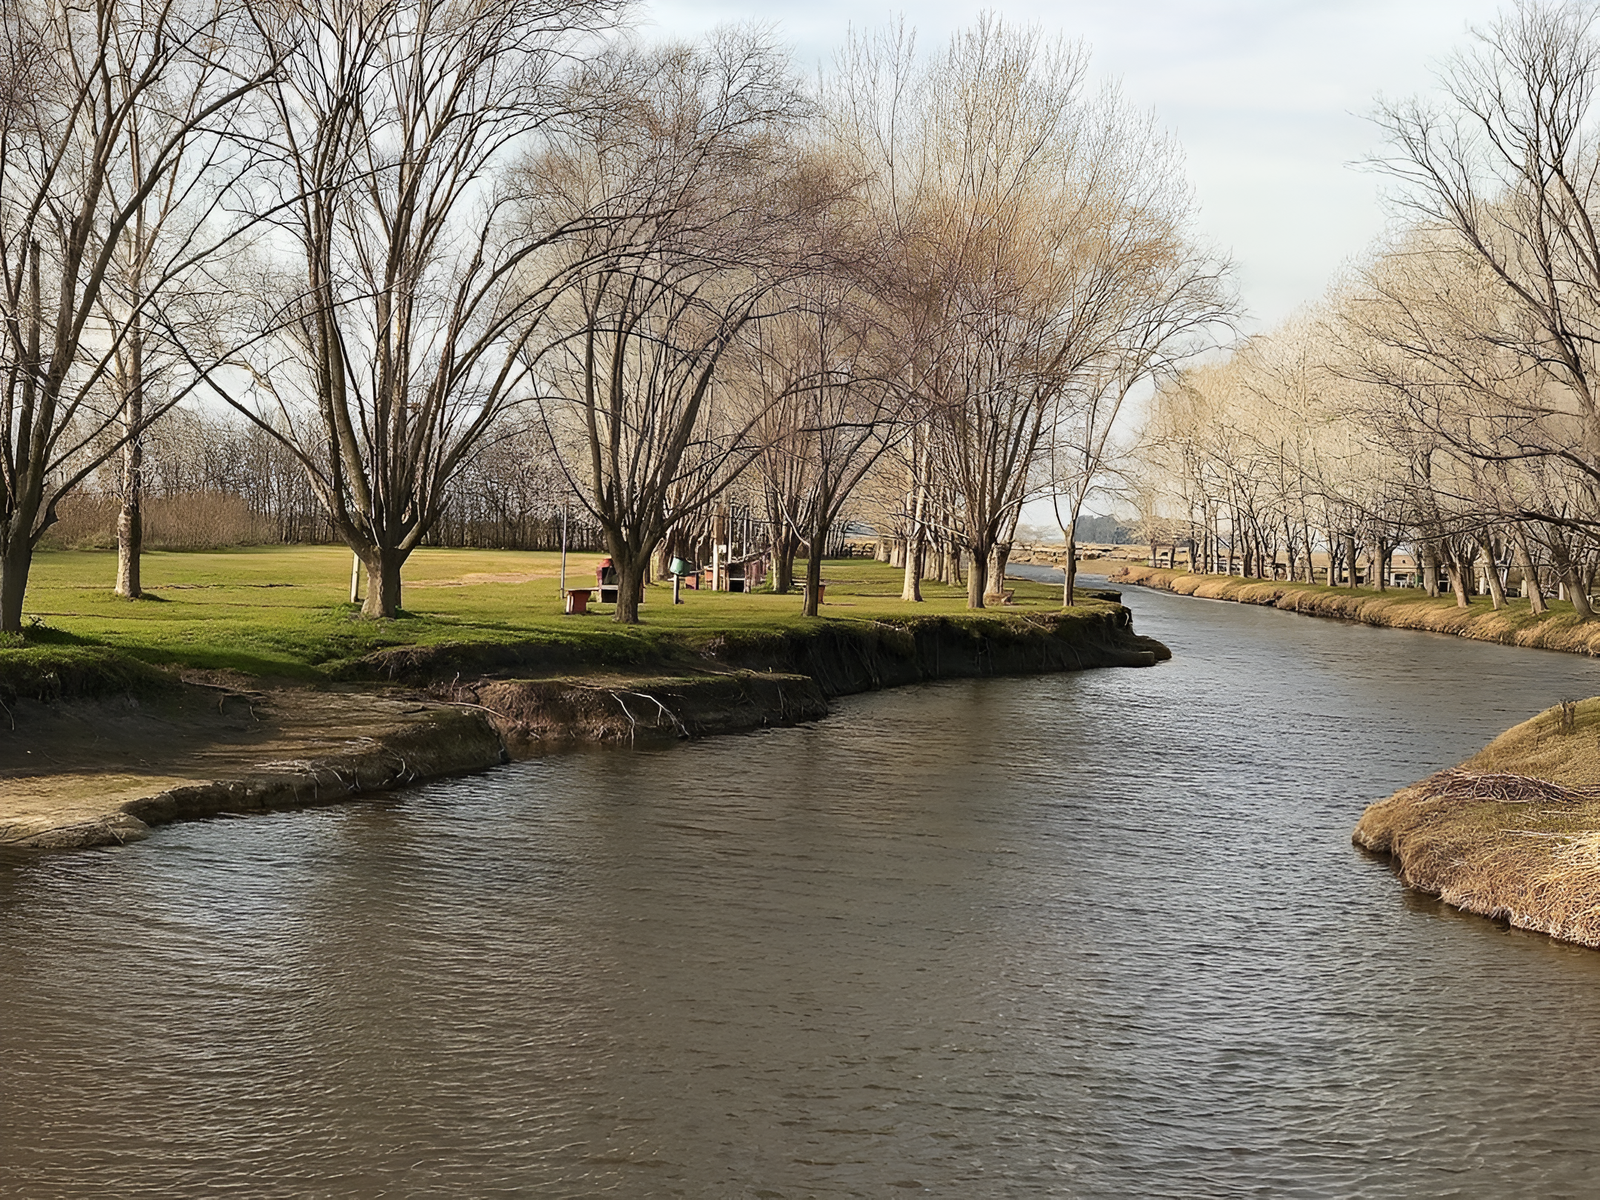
(188, 521)
(1513, 833)
(1561, 746)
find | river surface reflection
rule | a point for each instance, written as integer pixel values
(1098, 934)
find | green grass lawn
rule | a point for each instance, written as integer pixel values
(284, 611)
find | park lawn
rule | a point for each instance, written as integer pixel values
(284, 610)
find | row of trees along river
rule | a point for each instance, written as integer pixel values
(390, 251)
(1443, 396)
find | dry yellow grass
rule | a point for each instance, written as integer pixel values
(1513, 833)
(1514, 625)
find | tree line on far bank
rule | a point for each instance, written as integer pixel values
(461, 262)
(1445, 397)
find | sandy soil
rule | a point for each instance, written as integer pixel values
(92, 772)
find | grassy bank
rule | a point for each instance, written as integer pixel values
(1401, 608)
(283, 612)
(1513, 833)
(246, 681)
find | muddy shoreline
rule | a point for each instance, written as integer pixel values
(100, 766)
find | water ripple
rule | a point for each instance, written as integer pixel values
(1082, 935)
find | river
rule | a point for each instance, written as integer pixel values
(1094, 934)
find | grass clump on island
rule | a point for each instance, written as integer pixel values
(284, 611)
(1516, 624)
(1513, 833)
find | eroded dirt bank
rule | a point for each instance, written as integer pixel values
(1399, 609)
(96, 759)
(98, 771)
(1513, 833)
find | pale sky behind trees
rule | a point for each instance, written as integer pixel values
(1269, 98)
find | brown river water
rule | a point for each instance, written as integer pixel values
(1098, 934)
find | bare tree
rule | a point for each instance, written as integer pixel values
(698, 198)
(1043, 235)
(1174, 299)
(103, 108)
(843, 372)
(401, 132)
(1501, 174)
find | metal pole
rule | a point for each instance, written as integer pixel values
(355, 578)
(565, 506)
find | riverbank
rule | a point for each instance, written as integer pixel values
(95, 771)
(1513, 833)
(96, 745)
(1514, 625)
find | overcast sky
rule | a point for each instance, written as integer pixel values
(1270, 99)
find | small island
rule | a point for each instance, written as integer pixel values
(1513, 833)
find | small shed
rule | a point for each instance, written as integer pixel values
(605, 579)
(745, 574)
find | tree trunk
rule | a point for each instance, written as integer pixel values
(630, 569)
(1491, 574)
(130, 544)
(1530, 577)
(1497, 591)
(1580, 598)
(383, 581)
(130, 521)
(1350, 554)
(1430, 569)
(999, 557)
(911, 588)
(978, 574)
(1069, 569)
(784, 549)
(1458, 580)
(813, 590)
(1568, 574)
(14, 567)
